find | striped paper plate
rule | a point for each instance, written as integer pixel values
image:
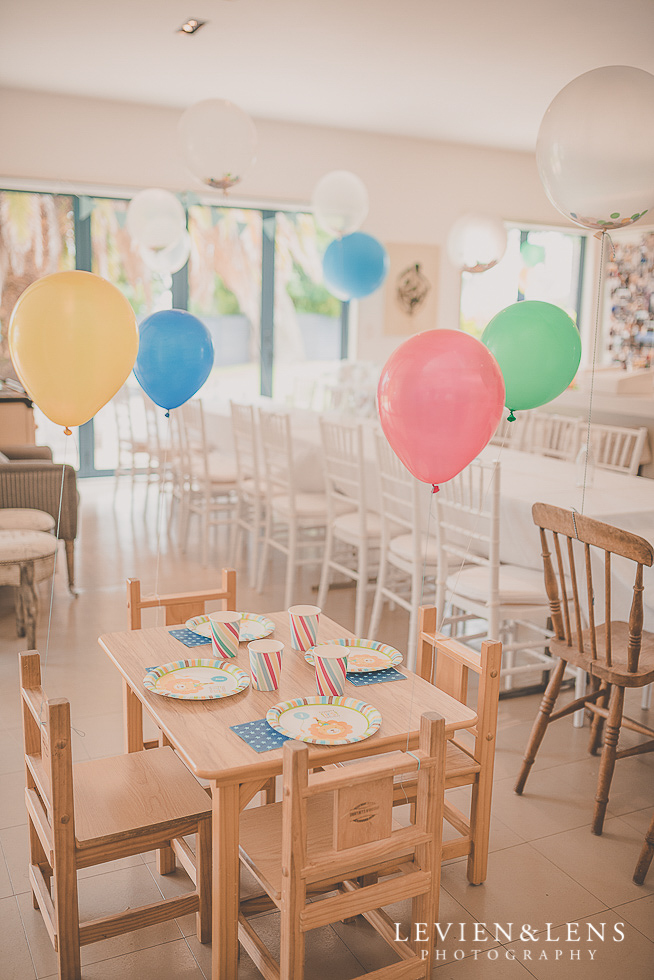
(364, 656)
(196, 680)
(252, 627)
(325, 721)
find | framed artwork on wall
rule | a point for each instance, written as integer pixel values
(411, 289)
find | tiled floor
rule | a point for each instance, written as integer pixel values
(545, 866)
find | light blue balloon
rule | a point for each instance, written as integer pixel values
(354, 266)
(175, 357)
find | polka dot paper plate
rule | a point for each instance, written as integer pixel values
(324, 720)
(252, 627)
(196, 680)
(364, 656)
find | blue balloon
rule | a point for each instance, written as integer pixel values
(354, 266)
(175, 357)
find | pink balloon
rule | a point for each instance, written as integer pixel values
(440, 399)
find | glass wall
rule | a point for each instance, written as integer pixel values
(539, 264)
(254, 277)
(37, 238)
(224, 291)
(307, 344)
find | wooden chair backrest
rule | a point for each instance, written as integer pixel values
(446, 663)
(552, 435)
(616, 447)
(48, 762)
(277, 449)
(564, 589)
(399, 491)
(362, 804)
(244, 430)
(342, 447)
(179, 606)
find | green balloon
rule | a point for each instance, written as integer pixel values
(538, 349)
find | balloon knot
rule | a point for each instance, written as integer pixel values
(67, 431)
(511, 416)
(435, 488)
(167, 415)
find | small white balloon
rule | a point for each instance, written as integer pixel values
(219, 142)
(595, 147)
(476, 242)
(171, 259)
(155, 218)
(340, 202)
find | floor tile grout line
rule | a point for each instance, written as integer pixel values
(27, 940)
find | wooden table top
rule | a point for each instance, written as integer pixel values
(200, 730)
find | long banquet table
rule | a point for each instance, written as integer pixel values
(200, 731)
(616, 498)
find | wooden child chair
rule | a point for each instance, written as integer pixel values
(100, 811)
(332, 828)
(446, 662)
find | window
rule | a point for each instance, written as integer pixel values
(254, 278)
(37, 238)
(539, 264)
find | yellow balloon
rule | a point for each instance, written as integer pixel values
(73, 339)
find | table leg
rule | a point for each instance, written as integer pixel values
(132, 720)
(225, 898)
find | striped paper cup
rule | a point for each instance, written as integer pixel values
(225, 627)
(304, 626)
(331, 667)
(265, 664)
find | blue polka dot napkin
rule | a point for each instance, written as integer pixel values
(260, 735)
(189, 638)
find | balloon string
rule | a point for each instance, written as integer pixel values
(54, 572)
(592, 372)
(422, 593)
(160, 509)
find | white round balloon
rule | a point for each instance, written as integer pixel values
(340, 202)
(595, 148)
(476, 242)
(170, 259)
(219, 141)
(155, 218)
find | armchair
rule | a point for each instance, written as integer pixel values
(29, 478)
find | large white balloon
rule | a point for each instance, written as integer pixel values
(476, 242)
(170, 259)
(595, 148)
(340, 202)
(219, 141)
(155, 218)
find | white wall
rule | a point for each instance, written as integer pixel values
(417, 187)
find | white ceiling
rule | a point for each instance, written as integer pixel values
(473, 71)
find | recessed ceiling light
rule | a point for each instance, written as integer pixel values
(191, 26)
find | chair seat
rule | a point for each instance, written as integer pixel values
(617, 672)
(518, 586)
(25, 519)
(307, 505)
(460, 769)
(18, 547)
(348, 525)
(402, 546)
(119, 797)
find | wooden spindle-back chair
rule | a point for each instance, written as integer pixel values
(616, 654)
